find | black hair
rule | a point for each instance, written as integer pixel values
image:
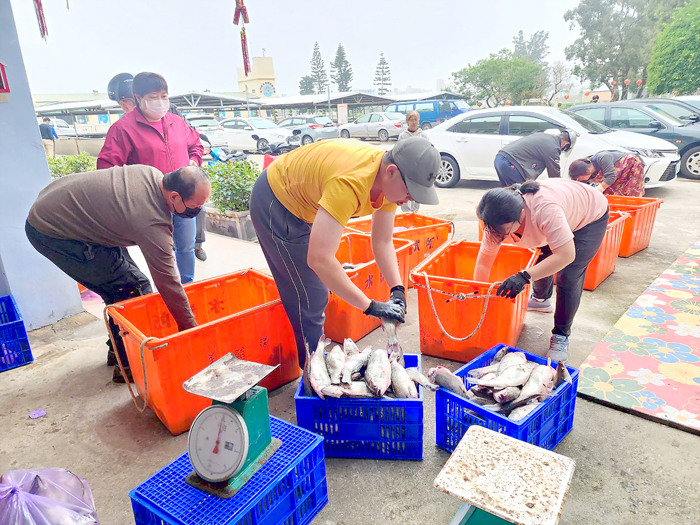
(579, 167)
(145, 83)
(184, 180)
(503, 205)
(46, 119)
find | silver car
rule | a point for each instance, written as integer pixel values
(312, 127)
(378, 125)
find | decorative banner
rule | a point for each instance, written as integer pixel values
(240, 10)
(342, 114)
(40, 18)
(246, 58)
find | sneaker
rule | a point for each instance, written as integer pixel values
(117, 376)
(200, 254)
(539, 305)
(111, 357)
(558, 348)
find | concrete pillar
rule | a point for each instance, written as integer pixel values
(44, 294)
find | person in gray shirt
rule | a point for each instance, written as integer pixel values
(526, 158)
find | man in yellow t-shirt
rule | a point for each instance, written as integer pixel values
(300, 206)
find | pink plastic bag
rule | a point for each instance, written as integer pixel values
(52, 496)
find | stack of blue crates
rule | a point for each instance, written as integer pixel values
(289, 488)
(14, 343)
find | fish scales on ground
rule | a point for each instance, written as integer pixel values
(419, 378)
(355, 363)
(378, 373)
(335, 361)
(393, 346)
(402, 385)
(446, 379)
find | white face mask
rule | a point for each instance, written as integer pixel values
(155, 109)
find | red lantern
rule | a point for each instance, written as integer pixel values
(639, 82)
(614, 82)
(627, 81)
(508, 102)
(566, 96)
(587, 93)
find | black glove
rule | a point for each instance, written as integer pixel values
(513, 285)
(398, 296)
(388, 310)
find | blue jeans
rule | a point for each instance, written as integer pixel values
(184, 231)
(507, 173)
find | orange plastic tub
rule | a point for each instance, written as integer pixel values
(451, 269)
(426, 233)
(603, 264)
(239, 313)
(344, 320)
(639, 224)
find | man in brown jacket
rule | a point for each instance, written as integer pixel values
(83, 222)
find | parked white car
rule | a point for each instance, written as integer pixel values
(238, 133)
(377, 125)
(63, 129)
(468, 143)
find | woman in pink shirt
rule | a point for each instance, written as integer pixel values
(567, 221)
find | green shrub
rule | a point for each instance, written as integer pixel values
(231, 184)
(67, 164)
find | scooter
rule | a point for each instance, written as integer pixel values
(223, 154)
(274, 149)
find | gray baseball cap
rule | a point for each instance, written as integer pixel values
(419, 162)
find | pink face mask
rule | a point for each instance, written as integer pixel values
(155, 109)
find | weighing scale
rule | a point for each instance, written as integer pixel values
(230, 440)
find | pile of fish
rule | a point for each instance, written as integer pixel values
(511, 385)
(369, 373)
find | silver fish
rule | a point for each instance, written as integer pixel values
(358, 389)
(401, 383)
(318, 372)
(494, 407)
(333, 391)
(512, 376)
(511, 359)
(505, 395)
(335, 361)
(419, 378)
(563, 375)
(521, 413)
(350, 347)
(393, 346)
(378, 373)
(446, 379)
(539, 385)
(355, 363)
(500, 354)
(357, 376)
(481, 372)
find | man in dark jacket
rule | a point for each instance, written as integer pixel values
(526, 158)
(48, 136)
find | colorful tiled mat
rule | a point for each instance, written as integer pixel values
(649, 363)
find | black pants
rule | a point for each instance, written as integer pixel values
(508, 173)
(109, 272)
(570, 280)
(284, 239)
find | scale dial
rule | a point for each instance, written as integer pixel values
(218, 443)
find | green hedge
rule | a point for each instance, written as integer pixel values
(231, 184)
(68, 164)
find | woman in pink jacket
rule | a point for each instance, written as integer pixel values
(151, 135)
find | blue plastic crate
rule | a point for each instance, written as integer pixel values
(14, 343)
(366, 428)
(290, 488)
(545, 426)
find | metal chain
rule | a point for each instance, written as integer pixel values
(459, 297)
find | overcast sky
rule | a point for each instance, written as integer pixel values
(195, 46)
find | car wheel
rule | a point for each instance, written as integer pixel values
(383, 135)
(690, 163)
(448, 175)
(345, 134)
(426, 126)
(263, 144)
(306, 140)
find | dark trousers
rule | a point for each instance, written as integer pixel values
(508, 173)
(109, 272)
(284, 239)
(570, 280)
(201, 225)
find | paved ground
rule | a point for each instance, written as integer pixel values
(629, 470)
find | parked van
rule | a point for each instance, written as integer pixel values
(432, 112)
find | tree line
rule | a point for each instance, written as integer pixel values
(341, 74)
(627, 45)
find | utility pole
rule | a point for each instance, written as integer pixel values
(247, 102)
(329, 102)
